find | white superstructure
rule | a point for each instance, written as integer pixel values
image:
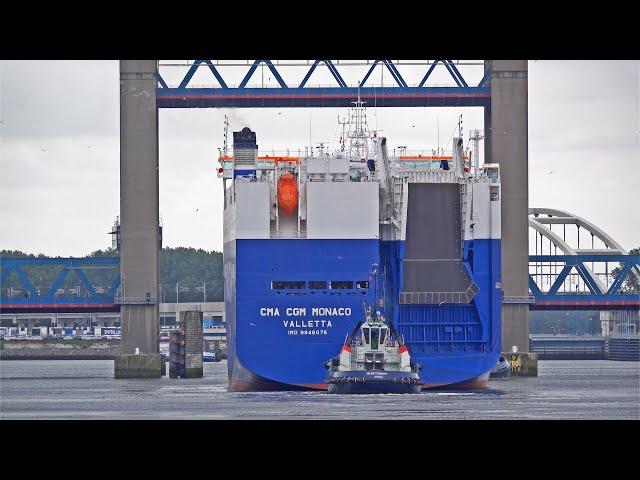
(356, 192)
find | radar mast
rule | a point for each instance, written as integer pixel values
(358, 134)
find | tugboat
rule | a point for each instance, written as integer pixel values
(373, 359)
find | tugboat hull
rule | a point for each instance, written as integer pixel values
(373, 382)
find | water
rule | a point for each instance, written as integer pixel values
(81, 389)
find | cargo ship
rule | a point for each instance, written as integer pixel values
(302, 231)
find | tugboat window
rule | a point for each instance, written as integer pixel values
(375, 334)
(365, 331)
(362, 284)
(383, 333)
(317, 285)
(368, 361)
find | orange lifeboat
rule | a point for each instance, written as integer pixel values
(287, 193)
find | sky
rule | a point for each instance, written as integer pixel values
(59, 146)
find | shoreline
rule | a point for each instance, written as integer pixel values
(56, 349)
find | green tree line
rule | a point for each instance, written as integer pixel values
(193, 271)
(190, 270)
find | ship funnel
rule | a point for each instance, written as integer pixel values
(245, 153)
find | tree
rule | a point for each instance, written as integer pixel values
(189, 267)
(631, 284)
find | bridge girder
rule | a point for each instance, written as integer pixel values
(462, 93)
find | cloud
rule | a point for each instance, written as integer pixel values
(584, 104)
(54, 99)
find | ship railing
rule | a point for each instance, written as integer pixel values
(270, 155)
(430, 176)
(293, 154)
(439, 298)
(426, 153)
(417, 166)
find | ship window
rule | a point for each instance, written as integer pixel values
(341, 285)
(287, 285)
(383, 334)
(362, 284)
(365, 332)
(317, 284)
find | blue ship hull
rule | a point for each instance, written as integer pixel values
(279, 339)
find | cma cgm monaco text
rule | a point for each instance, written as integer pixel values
(309, 240)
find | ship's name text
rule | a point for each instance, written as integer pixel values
(302, 311)
(307, 323)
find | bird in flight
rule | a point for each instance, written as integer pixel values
(550, 172)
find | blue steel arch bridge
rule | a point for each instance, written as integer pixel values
(571, 266)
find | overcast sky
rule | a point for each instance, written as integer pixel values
(59, 147)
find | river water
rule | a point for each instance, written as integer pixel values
(78, 389)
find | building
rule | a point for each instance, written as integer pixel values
(25, 323)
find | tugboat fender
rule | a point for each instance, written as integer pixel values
(345, 356)
(405, 360)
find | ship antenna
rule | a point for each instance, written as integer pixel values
(226, 131)
(358, 130)
(343, 138)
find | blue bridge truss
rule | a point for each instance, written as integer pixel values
(596, 298)
(34, 300)
(400, 95)
(553, 299)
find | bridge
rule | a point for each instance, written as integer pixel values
(38, 297)
(562, 273)
(500, 89)
(462, 93)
